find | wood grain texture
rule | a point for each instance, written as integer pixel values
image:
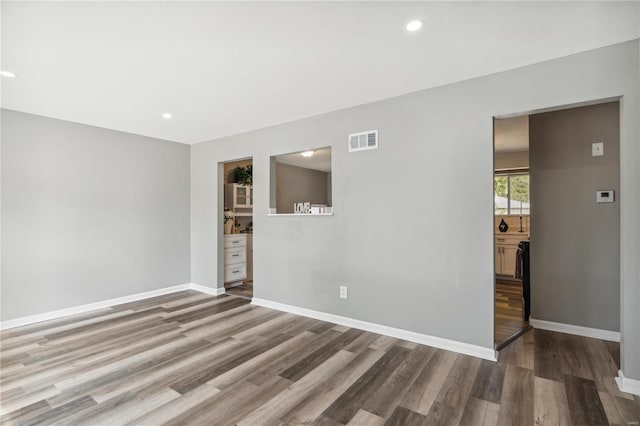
(547, 362)
(584, 402)
(550, 405)
(516, 404)
(480, 412)
(191, 358)
(488, 382)
(363, 417)
(508, 315)
(245, 290)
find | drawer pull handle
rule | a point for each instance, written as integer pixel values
(500, 239)
(235, 242)
(234, 272)
(235, 255)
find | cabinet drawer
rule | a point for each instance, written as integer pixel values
(235, 272)
(235, 255)
(509, 239)
(235, 240)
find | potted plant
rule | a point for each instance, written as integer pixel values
(243, 175)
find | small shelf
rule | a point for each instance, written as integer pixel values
(299, 215)
(272, 212)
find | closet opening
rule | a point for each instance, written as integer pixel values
(237, 215)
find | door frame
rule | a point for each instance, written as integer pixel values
(220, 223)
(618, 99)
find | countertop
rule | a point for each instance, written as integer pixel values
(511, 235)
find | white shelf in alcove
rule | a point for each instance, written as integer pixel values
(300, 215)
(273, 213)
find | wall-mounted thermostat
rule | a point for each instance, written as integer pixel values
(604, 196)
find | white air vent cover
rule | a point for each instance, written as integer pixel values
(363, 140)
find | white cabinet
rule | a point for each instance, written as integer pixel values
(506, 248)
(235, 240)
(238, 248)
(235, 259)
(235, 255)
(509, 259)
(498, 258)
(238, 196)
(250, 257)
(234, 274)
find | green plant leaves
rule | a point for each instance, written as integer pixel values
(243, 175)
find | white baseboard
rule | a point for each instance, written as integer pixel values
(46, 316)
(424, 339)
(628, 385)
(596, 333)
(208, 290)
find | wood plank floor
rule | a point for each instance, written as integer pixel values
(245, 290)
(193, 359)
(508, 312)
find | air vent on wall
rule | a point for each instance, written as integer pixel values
(363, 140)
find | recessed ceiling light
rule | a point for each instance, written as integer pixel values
(167, 116)
(414, 25)
(307, 153)
(7, 74)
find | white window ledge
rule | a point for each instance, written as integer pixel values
(299, 214)
(272, 212)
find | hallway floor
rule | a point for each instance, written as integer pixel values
(192, 358)
(245, 290)
(508, 313)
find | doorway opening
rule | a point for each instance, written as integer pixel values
(557, 223)
(512, 212)
(238, 227)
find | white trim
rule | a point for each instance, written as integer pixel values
(46, 316)
(299, 214)
(596, 333)
(424, 339)
(628, 385)
(273, 212)
(208, 290)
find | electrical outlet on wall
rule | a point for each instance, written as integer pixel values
(597, 149)
(343, 292)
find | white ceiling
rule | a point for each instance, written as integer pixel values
(229, 67)
(320, 160)
(511, 134)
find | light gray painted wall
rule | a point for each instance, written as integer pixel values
(88, 214)
(416, 253)
(511, 160)
(575, 243)
(329, 191)
(297, 184)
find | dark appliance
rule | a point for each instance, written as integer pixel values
(523, 246)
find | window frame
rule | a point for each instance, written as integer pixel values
(273, 190)
(508, 173)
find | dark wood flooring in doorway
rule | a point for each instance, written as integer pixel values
(245, 290)
(193, 359)
(509, 323)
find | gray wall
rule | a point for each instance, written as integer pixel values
(88, 214)
(511, 160)
(575, 244)
(298, 184)
(428, 138)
